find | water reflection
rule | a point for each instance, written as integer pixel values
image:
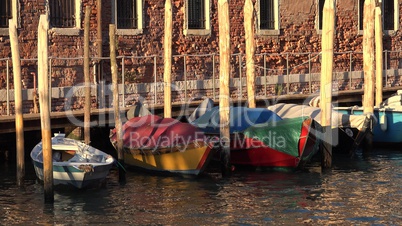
(362, 190)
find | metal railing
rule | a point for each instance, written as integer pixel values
(193, 75)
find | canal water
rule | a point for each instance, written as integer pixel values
(363, 190)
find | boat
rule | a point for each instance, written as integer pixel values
(261, 138)
(388, 130)
(137, 110)
(74, 163)
(288, 143)
(206, 105)
(348, 131)
(164, 146)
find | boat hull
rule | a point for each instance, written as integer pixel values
(348, 131)
(191, 160)
(87, 166)
(385, 131)
(255, 153)
(71, 175)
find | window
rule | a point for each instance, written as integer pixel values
(267, 14)
(8, 10)
(268, 17)
(390, 12)
(62, 13)
(127, 15)
(197, 20)
(196, 14)
(5, 13)
(390, 15)
(320, 14)
(361, 7)
(65, 16)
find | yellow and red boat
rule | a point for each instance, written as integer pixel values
(164, 145)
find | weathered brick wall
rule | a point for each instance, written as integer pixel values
(298, 34)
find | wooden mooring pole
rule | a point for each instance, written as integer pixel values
(167, 60)
(224, 95)
(368, 64)
(116, 104)
(99, 43)
(368, 55)
(43, 85)
(19, 120)
(326, 80)
(87, 81)
(379, 57)
(250, 51)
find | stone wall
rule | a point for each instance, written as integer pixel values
(278, 54)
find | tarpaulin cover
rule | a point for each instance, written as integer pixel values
(338, 119)
(155, 132)
(281, 135)
(240, 119)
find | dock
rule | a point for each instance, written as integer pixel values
(105, 116)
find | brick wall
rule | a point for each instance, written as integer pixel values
(298, 34)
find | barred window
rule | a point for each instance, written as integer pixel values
(127, 17)
(389, 14)
(361, 8)
(62, 13)
(267, 12)
(320, 13)
(196, 14)
(5, 13)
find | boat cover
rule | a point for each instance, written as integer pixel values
(152, 131)
(393, 101)
(240, 119)
(205, 106)
(338, 119)
(282, 135)
(137, 110)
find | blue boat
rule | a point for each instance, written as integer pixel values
(389, 116)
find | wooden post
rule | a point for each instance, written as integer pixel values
(19, 120)
(368, 55)
(250, 51)
(379, 57)
(99, 41)
(326, 80)
(224, 71)
(115, 87)
(87, 81)
(43, 85)
(167, 60)
(99, 27)
(35, 94)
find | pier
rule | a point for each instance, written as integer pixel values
(105, 116)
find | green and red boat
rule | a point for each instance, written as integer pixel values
(260, 138)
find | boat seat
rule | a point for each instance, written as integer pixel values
(65, 147)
